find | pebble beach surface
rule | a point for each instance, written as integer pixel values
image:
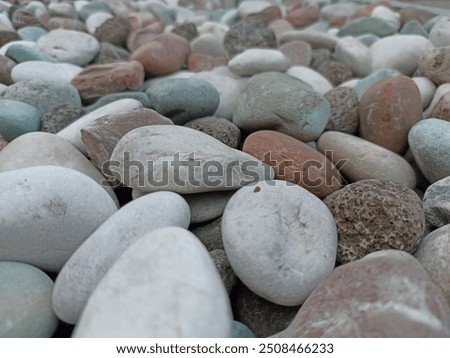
(224, 168)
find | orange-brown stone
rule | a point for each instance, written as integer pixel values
(140, 37)
(303, 16)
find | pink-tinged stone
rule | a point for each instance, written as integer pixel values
(141, 19)
(299, 53)
(115, 31)
(293, 4)
(388, 110)
(412, 13)
(441, 109)
(166, 54)
(7, 35)
(294, 161)
(6, 66)
(435, 64)
(266, 16)
(98, 80)
(101, 137)
(387, 294)
(21, 18)
(279, 27)
(3, 143)
(141, 36)
(198, 62)
(303, 16)
(67, 24)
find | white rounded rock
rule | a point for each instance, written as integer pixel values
(426, 89)
(164, 286)
(280, 239)
(383, 12)
(87, 266)
(26, 309)
(440, 33)
(62, 73)
(253, 61)
(247, 8)
(399, 52)
(95, 20)
(46, 214)
(318, 82)
(355, 55)
(69, 46)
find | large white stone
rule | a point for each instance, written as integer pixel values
(165, 285)
(69, 46)
(182, 160)
(440, 33)
(62, 73)
(253, 61)
(26, 306)
(399, 52)
(87, 266)
(40, 148)
(318, 82)
(47, 212)
(72, 132)
(354, 54)
(280, 239)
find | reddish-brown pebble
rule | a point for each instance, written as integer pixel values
(3, 143)
(299, 53)
(140, 37)
(6, 66)
(267, 16)
(67, 24)
(303, 16)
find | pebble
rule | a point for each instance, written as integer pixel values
(17, 118)
(426, 89)
(227, 274)
(399, 52)
(141, 36)
(265, 213)
(294, 161)
(207, 206)
(303, 16)
(188, 30)
(441, 108)
(130, 303)
(183, 100)
(434, 64)
(298, 53)
(436, 203)
(20, 53)
(440, 32)
(26, 310)
(210, 234)
(353, 53)
(69, 46)
(93, 259)
(208, 44)
(31, 33)
(369, 25)
(165, 54)
(367, 82)
(99, 80)
(432, 253)
(43, 72)
(94, 21)
(254, 61)
(429, 141)
(114, 31)
(343, 305)
(110, 53)
(6, 67)
(221, 129)
(64, 207)
(344, 106)
(240, 330)
(270, 101)
(413, 27)
(206, 164)
(319, 83)
(390, 216)
(66, 24)
(335, 72)
(60, 117)
(359, 159)
(200, 62)
(387, 112)
(317, 40)
(117, 96)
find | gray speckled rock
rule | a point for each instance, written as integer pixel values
(344, 115)
(182, 100)
(207, 206)
(368, 25)
(26, 309)
(433, 253)
(63, 207)
(436, 203)
(290, 240)
(227, 274)
(434, 64)
(183, 160)
(60, 117)
(87, 266)
(184, 297)
(429, 141)
(210, 234)
(373, 215)
(280, 102)
(17, 118)
(221, 129)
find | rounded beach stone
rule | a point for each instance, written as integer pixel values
(240, 330)
(277, 101)
(433, 253)
(253, 61)
(359, 159)
(60, 117)
(317, 40)
(98, 80)
(429, 141)
(427, 90)
(344, 115)
(69, 46)
(399, 52)
(369, 25)
(60, 73)
(207, 206)
(63, 208)
(434, 63)
(6, 67)
(303, 16)
(319, 83)
(219, 128)
(210, 234)
(109, 54)
(31, 33)
(188, 30)
(142, 36)
(66, 24)
(385, 294)
(436, 203)
(26, 310)
(227, 274)
(441, 109)
(116, 96)
(440, 33)
(353, 53)
(363, 85)
(17, 118)
(114, 30)
(294, 161)
(200, 163)
(20, 53)
(335, 72)
(373, 215)
(92, 260)
(387, 112)
(297, 52)
(246, 35)
(165, 54)
(208, 44)
(413, 27)
(294, 254)
(184, 99)
(130, 303)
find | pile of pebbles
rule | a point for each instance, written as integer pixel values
(224, 168)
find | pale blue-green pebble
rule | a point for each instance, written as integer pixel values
(20, 53)
(31, 33)
(364, 84)
(240, 330)
(413, 27)
(17, 118)
(430, 23)
(93, 7)
(368, 39)
(368, 25)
